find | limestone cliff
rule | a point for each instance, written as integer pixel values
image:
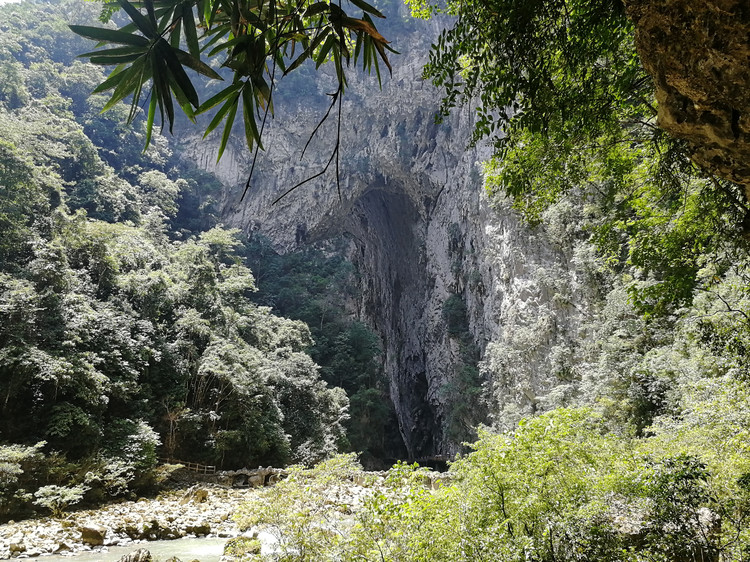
(421, 232)
(699, 55)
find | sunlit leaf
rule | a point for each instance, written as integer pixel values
(109, 35)
(362, 5)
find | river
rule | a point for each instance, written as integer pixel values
(203, 549)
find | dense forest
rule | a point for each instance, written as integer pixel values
(134, 326)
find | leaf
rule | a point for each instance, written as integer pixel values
(228, 127)
(174, 35)
(185, 104)
(115, 77)
(315, 9)
(114, 51)
(307, 52)
(231, 99)
(108, 35)
(141, 22)
(362, 5)
(150, 121)
(196, 64)
(191, 35)
(262, 88)
(251, 128)
(231, 43)
(220, 97)
(323, 53)
(130, 82)
(150, 11)
(178, 73)
(161, 86)
(114, 59)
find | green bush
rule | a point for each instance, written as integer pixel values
(243, 548)
(58, 498)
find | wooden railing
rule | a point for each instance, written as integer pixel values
(193, 466)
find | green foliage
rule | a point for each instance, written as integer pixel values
(58, 498)
(126, 325)
(18, 467)
(463, 392)
(242, 548)
(304, 512)
(255, 40)
(454, 315)
(560, 487)
(308, 285)
(558, 68)
(559, 89)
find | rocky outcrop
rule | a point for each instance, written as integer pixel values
(699, 56)
(420, 229)
(404, 181)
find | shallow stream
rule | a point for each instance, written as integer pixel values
(203, 549)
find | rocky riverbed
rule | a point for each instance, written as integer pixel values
(204, 510)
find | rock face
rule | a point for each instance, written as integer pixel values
(422, 234)
(699, 55)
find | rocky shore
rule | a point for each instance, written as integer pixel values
(194, 509)
(200, 510)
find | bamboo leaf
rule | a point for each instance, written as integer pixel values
(220, 97)
(114, 59)
(112, 81)
(222, 111)
(109, 35)
(323, 53)
(178, 73)
(150, 11)
(308, 52)
(150, 121)
(263, 93)
(174, 35)
(130, 82)
(191, 35)
(185, 104)
(228, 126)
(141, 22)
(231, 43)
(315, 9)
(248, 112)
(362, 5)
(116, 51)
(196, 64)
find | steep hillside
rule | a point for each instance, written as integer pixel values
(442, 273)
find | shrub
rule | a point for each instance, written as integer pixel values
(58, 498)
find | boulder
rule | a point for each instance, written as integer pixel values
(198, 528)
(93, 534)
(62, 547)
(194, 495)
(140, 555)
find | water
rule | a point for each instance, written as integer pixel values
(203, 549)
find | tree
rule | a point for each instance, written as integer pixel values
(258, 41)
